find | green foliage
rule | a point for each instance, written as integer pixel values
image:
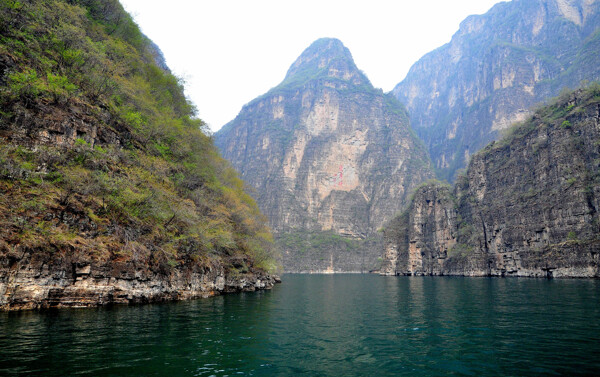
(134, 119)
(26, 84)
(460, 250)
(443, 188)
(60, 88)
(306, 242)
(163, 190)
(552, 115)
(571, 181)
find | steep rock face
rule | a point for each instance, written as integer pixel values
(427, 230)
(327, 252)
(527, 206)
(495, 68)
(324, 150)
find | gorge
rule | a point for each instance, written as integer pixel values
(113, 191)
(332, 159)
(448, 227)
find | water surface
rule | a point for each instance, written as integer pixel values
(324, 325)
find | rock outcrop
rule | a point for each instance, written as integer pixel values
(495, 68)
(527, 205)
(32, 280)
(325, 151)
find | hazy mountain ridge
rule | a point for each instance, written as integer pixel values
(496, 67)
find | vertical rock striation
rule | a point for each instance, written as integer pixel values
(527, 205)
(495, 68)
(326, 152)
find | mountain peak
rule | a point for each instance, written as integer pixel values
(325, 57)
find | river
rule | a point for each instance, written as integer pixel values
(324, 325)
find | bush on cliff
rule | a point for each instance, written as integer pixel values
(101, 153)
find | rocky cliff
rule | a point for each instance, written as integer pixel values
(527, 205)
(110, 190)
(495, 68)
(31, 279)
(325, 151)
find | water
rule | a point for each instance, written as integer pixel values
(324, 325)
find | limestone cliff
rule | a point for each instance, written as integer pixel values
(495, 68)
(325, 151)
(31, 279)
(527, 205)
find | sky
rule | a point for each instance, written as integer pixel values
(232, 51)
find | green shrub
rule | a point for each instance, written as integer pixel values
(60, 88)
(26, 84)
(162, 189)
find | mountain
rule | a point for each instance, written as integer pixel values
(327, 154)
(495, 68)
(110, 189)
(526, 206)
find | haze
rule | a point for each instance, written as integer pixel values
(230, 52)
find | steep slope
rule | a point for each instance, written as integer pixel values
(110, 191)
(326, 152)
(527, 206)
(495, 68)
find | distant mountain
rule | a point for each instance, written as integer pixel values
(326, 153)
(495, 68)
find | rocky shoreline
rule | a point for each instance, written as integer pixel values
(35, 284)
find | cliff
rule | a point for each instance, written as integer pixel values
(327, 154)
(110, 189)
(31, 279)
(495, 68)
(527, 205)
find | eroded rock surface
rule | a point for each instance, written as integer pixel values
(527, 205)
(30, 280)
(495, 68)
(324, 150)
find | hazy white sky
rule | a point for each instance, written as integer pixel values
(231, 51)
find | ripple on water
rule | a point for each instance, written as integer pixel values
(351, 325)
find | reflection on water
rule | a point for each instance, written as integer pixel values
(351, 325)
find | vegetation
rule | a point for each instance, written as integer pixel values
(525, 203)
(553, 114)
(303, 242)
(132, 172)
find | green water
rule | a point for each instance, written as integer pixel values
(324, 325)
